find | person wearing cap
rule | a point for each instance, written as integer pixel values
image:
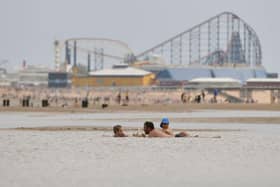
(165, 126)
(167, 130)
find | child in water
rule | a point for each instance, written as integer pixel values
(118, 131)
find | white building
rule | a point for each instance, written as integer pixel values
(215, 83)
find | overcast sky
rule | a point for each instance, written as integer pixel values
(29, 27)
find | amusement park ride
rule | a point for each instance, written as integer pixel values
(224, 40)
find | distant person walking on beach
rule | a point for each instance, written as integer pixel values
(118, 131)
(126, 97)
(215, 93)
(203, 95)
(119, 98)
(183, 97)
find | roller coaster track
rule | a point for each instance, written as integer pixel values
(187, 47)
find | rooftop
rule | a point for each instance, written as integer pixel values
(120, 72)
(264, 80)
(215, 80)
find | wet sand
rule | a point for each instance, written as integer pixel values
(244, 120)
(178, 108)
(247, 154)
(150, 108)
(129, 130)
(76, 158)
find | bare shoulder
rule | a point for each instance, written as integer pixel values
(158, 133)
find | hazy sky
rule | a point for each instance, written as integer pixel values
(29, 27)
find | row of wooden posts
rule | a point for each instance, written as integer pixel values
(45, 103)
(24, 103)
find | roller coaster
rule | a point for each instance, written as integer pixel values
(223, 40)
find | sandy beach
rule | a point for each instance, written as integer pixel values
(32, 158)
(139, 93)
(149, 107)
(75, 147)
(162, 108)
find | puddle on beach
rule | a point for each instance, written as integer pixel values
(135, 120)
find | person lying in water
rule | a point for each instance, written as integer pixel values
(164, 125)
(167, 130)
(150, 130)
(118, 131)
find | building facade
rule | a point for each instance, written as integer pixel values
(115, 77)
